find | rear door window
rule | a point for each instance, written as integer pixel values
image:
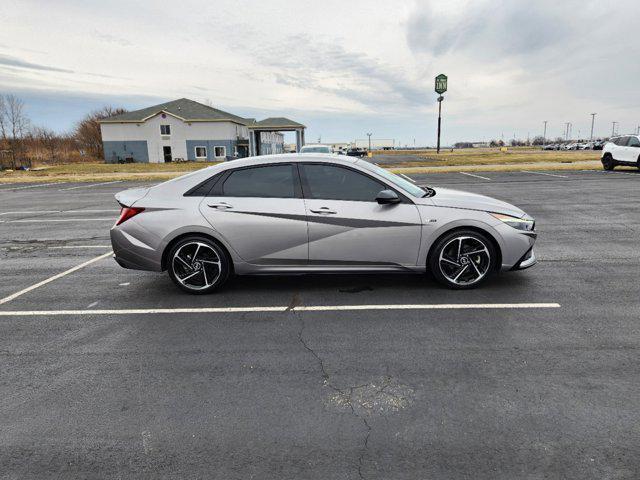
(633, 142)
(273, 181)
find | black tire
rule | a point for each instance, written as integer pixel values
(607, 162)
(201, 264)
(484, 263)
(638, 163)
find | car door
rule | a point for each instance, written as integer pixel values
(347, 227)
(632, 150)
(619, 149)
(260, 213)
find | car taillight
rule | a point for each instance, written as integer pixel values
(127, 212)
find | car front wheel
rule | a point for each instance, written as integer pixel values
(198, 265)
(607, 162)
(462, 259)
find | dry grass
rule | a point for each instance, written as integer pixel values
(488, 156)
(97, 172)
(422, 161)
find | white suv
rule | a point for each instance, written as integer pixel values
(623, 150)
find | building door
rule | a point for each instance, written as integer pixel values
(166, 151)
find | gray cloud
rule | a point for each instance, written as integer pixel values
(304, 62)
(8, 61)
(495, 28)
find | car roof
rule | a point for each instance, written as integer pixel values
(281, 158)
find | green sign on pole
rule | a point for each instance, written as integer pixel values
(441, 83)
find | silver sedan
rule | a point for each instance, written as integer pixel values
(304, 214)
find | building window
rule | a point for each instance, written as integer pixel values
(201, 152)
(165, 129)
(220, 152)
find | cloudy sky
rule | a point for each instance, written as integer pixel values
(343, 68)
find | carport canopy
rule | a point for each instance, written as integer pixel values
(274, 124)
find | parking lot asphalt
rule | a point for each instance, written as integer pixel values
(375, 392)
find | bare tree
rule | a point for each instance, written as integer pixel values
(49, 140)
(88, 133)
(14, 125)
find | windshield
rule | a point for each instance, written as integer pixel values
(397, 180)
(315, 150)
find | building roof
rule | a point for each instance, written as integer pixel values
(182, 108)
(276, 122)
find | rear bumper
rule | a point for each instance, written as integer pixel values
(129, 252)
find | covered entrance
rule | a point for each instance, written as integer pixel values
(273, 124)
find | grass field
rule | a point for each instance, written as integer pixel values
(486, 156)
(414, 161)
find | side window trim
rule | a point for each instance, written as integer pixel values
(217, 190)
(213, 180)
(384, 186)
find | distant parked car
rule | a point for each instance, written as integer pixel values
(356, 152)
(316, 149)
(598, 145)
(549, 147)
(623, 150)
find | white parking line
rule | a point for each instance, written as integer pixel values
(27, 212)
(82, 246)
(49, 220)
(473, 175)
(408, 178)
(32, 186)
(282, 309)
(543, 173)
(30, 211)
(55, 277)
(92, 185)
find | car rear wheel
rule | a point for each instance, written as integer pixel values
(607, 162)
(198, 265)
(462, 259)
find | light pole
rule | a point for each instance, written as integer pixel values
(544, 135)
(593, 119)
(613, 128)
(369, 135)
(441, 87)
(566, 131)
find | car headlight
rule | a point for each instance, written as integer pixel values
(515, 222)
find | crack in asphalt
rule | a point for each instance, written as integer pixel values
(326, 380)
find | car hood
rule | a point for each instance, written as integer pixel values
(445, 197)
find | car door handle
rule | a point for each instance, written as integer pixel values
(323, 211)
(220, 206)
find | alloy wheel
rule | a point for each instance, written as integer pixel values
(464, 260)
(196, 265)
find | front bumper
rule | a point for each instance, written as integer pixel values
(528, 260)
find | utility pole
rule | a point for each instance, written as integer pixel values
(566, 131)
(613, 128)
(369, 135)
(593, 119)
(544, 135)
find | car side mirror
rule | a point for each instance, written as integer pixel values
(386, 197)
